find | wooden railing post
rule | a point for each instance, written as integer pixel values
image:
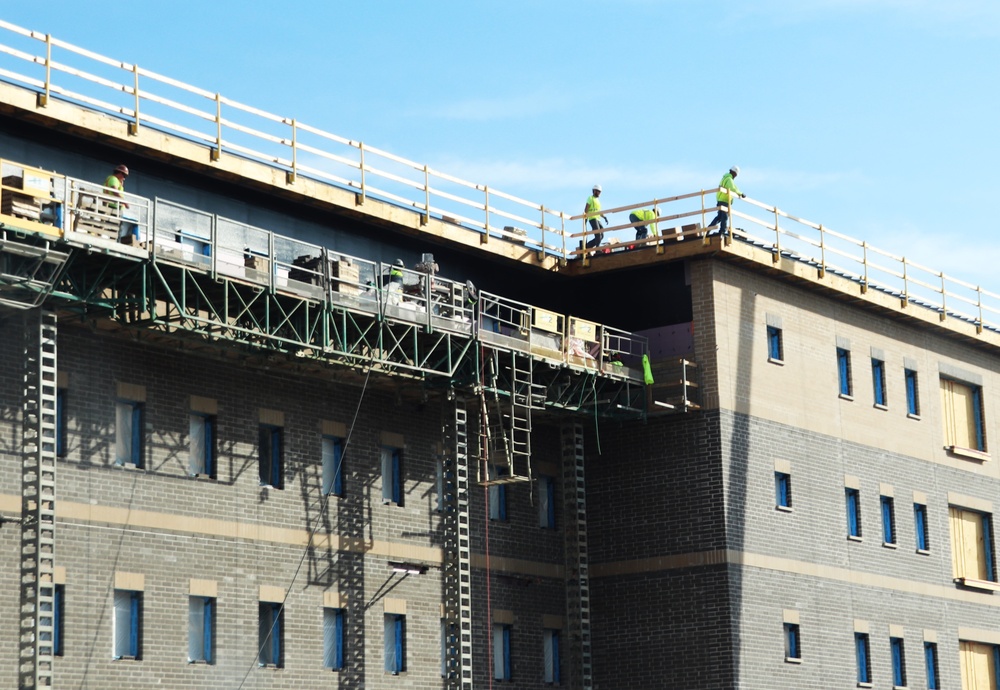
(133, 127)
(43, 98)
(293, 173)
(217, 151)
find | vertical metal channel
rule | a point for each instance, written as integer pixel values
(577, 559)
(38, 501)
(457, 561)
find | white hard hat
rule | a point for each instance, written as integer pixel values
(735, 170)
(597, 188)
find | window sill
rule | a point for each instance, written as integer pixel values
(127, 465)
(844, 396)
(784, 509)
(880, 406)
(924, 552)
(779, 362)
(889, 545)
(793, 660)
(851, 537)
(272, 666)
(866, 685)
(900, 687)
(982, 585)
(970, 453)
(913, 416)
(202, 477)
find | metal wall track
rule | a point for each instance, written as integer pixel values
(580, 672)
(457, 560)
(38, 502)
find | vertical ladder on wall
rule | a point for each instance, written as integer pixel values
(508, 452)
(38, 501)
(577, 558)
(457, 559)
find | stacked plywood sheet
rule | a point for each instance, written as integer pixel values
(96, 217)
(345, 276)
(17, 204)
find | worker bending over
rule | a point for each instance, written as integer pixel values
(643, 215)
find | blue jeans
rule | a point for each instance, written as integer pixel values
(641, 231)
(721, 218)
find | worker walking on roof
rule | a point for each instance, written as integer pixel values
(643, 215)
(593, 212)
(724, 198)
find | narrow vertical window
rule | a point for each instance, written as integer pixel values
(782, 490)
(269, 634)
(444, 648)
(128, 433)
(333, 639)
(501, 652)
(61, 423)
(844, 371)
(271, 456)
(547, 502)
(201, 629)
(898, 662)
(775, 351)
(853, 512)
(498, 501)
(439, 484)
(888, 520)
(392, 476)
(333, 470)
(863, 657)
(127, 624)
(912, 393)
(878, 382)
(55, 617)
(394, 651)
(793, 646)
(201, 454)
(931, 665)
(920, 523)
(553, 674)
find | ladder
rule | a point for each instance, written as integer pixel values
(457, 573)
(38, 502)
(507, 418)
(577, 559)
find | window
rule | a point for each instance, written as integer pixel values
(931, 665)
(774, 346)
(333, 469)
(547, 502)
(979, 665)
(271, 619)
(201, 461)
(392, 476)
(333, 639)
(128, 433)
(501, 652)
(782, 490)
(853, 512)
(395, 643)
(270, 447)
(498, 500)
(61, 423)
(553, 674)
(201, 629)
(128, 624)
(439, 483)
(878, 382)
(844, 371)
(898, 662)
(863, 656)
(793, 648)
(912, 399)
(971, 545)
(888, 520)
(444, 648)
(920, 520)
(53, 614)
(962, 411)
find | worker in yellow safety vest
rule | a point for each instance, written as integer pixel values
(115, 184)
(643, 215)
(724, 198)
(592, 212)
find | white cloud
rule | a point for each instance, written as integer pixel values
(497, 108)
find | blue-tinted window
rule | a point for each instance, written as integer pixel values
(863, 656)
(333, 638)
(793, 646)
(775, 350)
(547, 502)
(853, 497)
(898, 662)
(333, 470)
(201, 458)
(878, 381)
(201, 628)
(128, 433)
(392, 475)
(912, 392)
(888, 520)
(553, 674)
(271, 619)
(931, 666)
(127, 624)
(394, 649)
(271, 452)
(920, 522)
(844, 371)
(58, 619)
(782, 489)
(501, 652)
(61, 425)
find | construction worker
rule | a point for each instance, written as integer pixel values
(115, 184)
(128, 230)
(395, 286)
(593, 212)
(643, 215)
(724, 198)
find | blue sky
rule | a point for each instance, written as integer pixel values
(873, 117)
